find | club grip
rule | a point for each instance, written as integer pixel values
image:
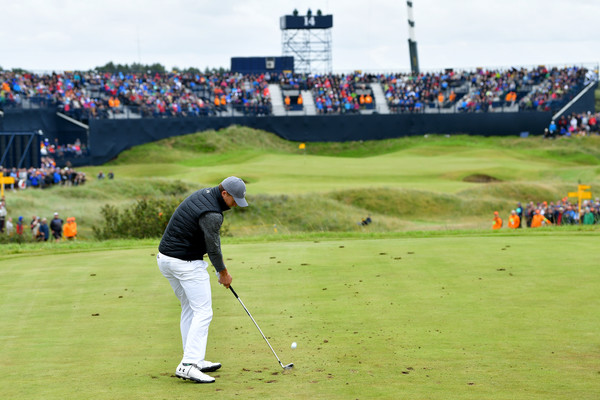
(233, 291)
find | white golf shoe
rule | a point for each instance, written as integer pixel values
(207, 366)
(193, 373)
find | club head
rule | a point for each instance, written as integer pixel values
(289, 366)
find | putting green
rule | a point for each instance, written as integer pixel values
(503, 316)
(285, 173)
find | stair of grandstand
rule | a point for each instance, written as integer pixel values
(380, 101)
(235, 111)
(276, 99)
(129, 113)
(309, 102)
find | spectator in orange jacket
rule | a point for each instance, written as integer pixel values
(539, 220)
(514, 221)
(70, 229)
(511, 97)
(497, 221)
(452, 97)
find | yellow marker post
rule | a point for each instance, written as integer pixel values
(581, 194)
(5, 180)
(302, 146)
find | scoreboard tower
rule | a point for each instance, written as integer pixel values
(308, 39)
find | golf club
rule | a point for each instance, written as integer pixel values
(288, 366)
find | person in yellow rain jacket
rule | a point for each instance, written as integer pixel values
(539, 220)
(513, 220)
(497, 221)
(70, 229)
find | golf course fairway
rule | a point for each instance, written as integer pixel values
(510, 315)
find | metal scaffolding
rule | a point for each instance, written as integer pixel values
(309, 44)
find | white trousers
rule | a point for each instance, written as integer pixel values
(191, 284)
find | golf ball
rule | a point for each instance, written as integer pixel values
(294, 345)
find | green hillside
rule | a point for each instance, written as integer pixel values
(413, 183)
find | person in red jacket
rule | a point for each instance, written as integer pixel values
(19, 226)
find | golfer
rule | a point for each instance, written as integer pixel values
(192, 232)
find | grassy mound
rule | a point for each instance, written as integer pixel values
(236, 140)
(205, 148)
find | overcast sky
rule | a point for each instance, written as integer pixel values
(369, 35)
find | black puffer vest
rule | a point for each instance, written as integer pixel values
(183, 237)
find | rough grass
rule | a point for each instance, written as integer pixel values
(413, 183)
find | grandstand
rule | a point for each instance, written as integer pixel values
(110, 112)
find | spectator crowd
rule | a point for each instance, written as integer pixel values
(341, 93)
(575, 124)
(95, 94)
(561, 212)
(46, 176)
(63, 152)
(38, 228)
(101, 94)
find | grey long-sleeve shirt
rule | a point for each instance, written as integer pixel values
(210, 223)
